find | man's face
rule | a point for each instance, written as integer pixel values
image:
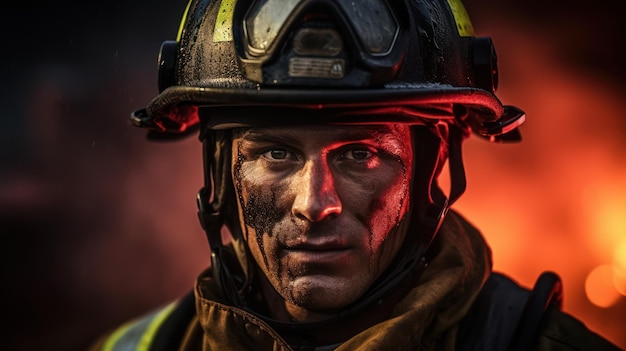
(321, 207)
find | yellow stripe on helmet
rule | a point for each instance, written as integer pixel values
(183, 21)
(224, 22)
(463, 23)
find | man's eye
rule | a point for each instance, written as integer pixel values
(277, 154)
(358, 154)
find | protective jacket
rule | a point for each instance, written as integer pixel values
(444, 310)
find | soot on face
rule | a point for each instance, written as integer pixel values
(259, 210)
(261, 214)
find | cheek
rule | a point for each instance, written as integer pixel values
(261, 211)
(258, 198)
(387, 209)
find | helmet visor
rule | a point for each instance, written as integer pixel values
(372, 22)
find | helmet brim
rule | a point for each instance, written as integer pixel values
(481, 101)
(426, 102)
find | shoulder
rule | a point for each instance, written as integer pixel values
(135, 334)
(565, 332)
(508, 316)
(163, 326)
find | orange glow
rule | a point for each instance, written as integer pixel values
(619, 257)
(619, 266)
(557, 200)
(605, 205)
(599, 288)
(619, 280)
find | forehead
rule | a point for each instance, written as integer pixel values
(378, 132)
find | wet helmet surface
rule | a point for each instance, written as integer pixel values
(421, 56)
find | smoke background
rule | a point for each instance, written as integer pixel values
(99, 225)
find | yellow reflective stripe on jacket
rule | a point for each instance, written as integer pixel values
(138, 334)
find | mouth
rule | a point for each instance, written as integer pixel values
(317, 245)
(318, 253)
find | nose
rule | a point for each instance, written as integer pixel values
(316, 197)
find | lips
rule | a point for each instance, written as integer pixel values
(318, 253)
(316, 243)
(318, 246)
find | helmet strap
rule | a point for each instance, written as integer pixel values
(212, 219)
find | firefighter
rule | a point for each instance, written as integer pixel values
(324, 126)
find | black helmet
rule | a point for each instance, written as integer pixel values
(240, 63)
(417, 55)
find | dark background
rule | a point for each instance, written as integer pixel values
(98, 225)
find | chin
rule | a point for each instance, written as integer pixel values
(323, 293)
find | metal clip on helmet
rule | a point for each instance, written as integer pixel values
(277, 62)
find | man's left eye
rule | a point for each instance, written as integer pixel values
(358, 154)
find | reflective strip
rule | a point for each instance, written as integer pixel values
(183, 21)
(463, 23)
(138, 334)
(223, 30)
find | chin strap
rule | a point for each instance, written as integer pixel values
(432, 209)
(212, 222)
(210, 202)
(458, 182)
